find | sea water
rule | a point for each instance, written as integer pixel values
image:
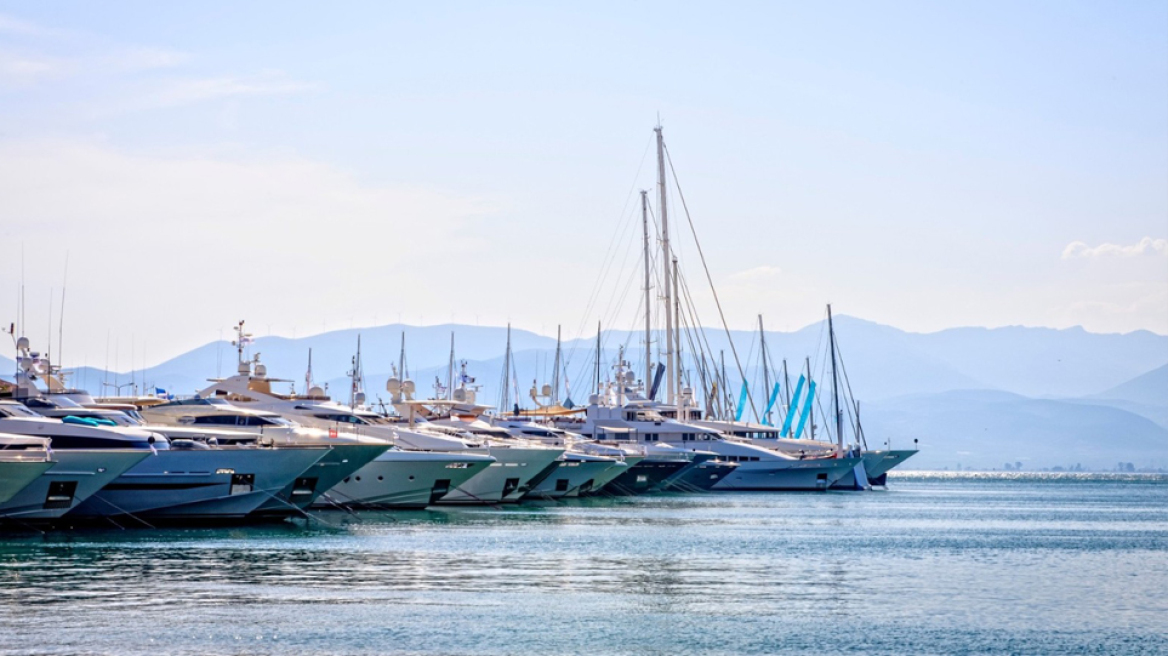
(943, 564)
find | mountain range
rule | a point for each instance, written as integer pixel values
(972, 397)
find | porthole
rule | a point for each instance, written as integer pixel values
(411, 478)
(381, 478)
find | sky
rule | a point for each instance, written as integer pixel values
(306, 167)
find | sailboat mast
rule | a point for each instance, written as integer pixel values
(786, 387)
(839, 418)
(766, 371)
(665, 260)
(556, 372)
(648, 292)
(597, 357)
(807, 362)
(450, 370)
(677, 327)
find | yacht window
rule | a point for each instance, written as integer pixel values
(216, 420)
(17, 411)
(342, 418)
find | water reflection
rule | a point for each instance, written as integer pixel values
(933, 565)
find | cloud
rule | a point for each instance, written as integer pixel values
(14, 25)
(178, 92)
(23, 69)
(1145, 246)
(756, 274)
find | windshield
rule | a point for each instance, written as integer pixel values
(15, 410)
(277, 420)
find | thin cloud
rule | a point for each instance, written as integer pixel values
(758, 273)
(14, 25)
(1145, 246)
(189, 91)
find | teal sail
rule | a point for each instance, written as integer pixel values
(791, 408)
(741, 403)
(806, 410)
(766, 415)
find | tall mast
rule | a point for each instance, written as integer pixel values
(450, 370)
(839, 418)
(665, 260)
(355, 376)
(598, 357)
(505, 401)
(648, 297)
(766, 371)
(556, 372)
(786, 387)
(807, 362)
(401, 362)
(725, 386)
(677, 327)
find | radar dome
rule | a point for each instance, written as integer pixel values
(360, 398)
(316, 391)
(408, 386)
(261, 371)
(547, 390)
(393, 385)
(22, 344)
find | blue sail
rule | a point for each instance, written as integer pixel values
(806, 410)
(741, 403)
(766, 415)
(791, 408)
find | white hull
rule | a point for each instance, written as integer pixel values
(573, 477)
(17, 475)
(338, 463)
(787, 475)
(406, 479)
(83, 471)
(506, 480)
(222, 483)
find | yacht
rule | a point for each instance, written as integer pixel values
(76, 474)
(335, 461)
(462, 468)
(621, 412)
(580, 472)
(378, 476)
(187, 482)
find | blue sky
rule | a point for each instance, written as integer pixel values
(924, 165)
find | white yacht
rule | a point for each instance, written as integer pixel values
(580, 473)
(77, 473)
(620, 414)
(196, 482)
(469, 470)
(335, 462)
(391, 478)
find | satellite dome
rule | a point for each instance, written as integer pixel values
(393, 385)
(360, 398)
(22, 344)
(261, 371)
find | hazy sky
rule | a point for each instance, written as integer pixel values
(311, 166)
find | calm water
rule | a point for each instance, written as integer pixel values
(954, 565)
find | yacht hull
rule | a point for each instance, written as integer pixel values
(571, 478)
(787, 476)
(516, 471)
(338, 463)
(210, 485)
(405, 479)
(878, 468)
(17, 475)
(700, 476)
(645, 476)
(76, 475)
(602, 481)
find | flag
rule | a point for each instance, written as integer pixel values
(770, 404)
(791, 410)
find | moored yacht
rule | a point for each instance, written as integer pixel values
(76, 473)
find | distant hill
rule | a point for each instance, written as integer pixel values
(988, 429)
(1150, 388)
